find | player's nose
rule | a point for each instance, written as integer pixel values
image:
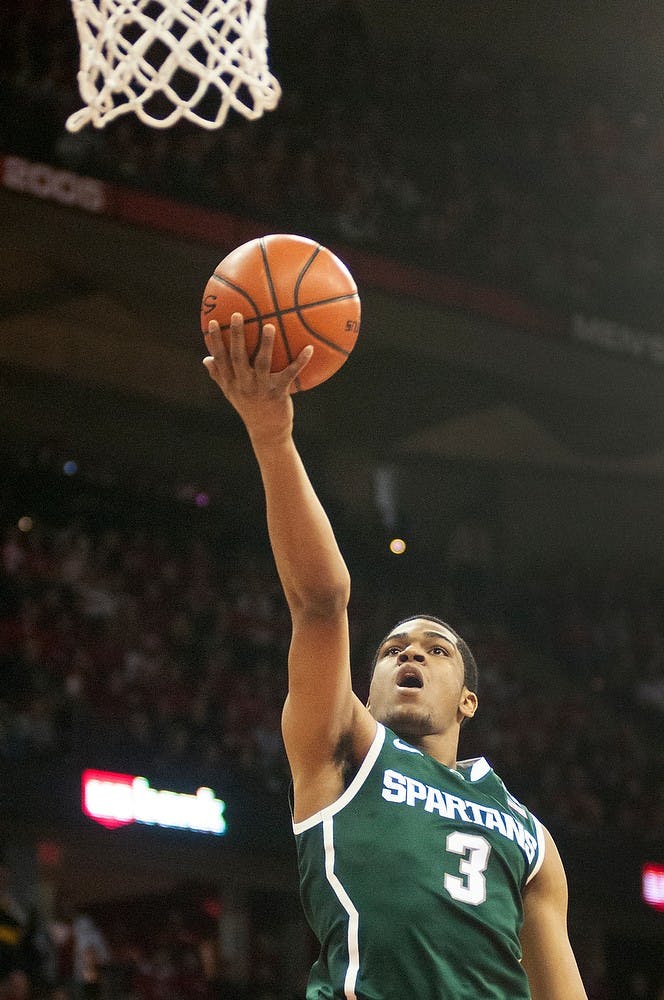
(410, 654)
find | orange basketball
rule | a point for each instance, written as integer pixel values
(299, 286)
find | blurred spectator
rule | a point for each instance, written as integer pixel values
(649, 691)
(14, 984)
(90, 956)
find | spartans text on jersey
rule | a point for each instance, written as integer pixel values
(400, 788)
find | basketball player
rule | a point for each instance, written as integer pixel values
(422, 877)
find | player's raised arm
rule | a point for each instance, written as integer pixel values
(321, 707)
(312, 571)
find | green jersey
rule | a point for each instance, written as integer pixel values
(412, 881)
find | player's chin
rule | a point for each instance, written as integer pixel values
(408, 720)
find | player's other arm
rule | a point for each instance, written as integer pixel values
(547, 954)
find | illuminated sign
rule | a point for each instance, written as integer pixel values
(119, 799)
(652, 885)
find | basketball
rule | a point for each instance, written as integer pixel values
(299, 286)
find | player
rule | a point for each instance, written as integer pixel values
(422, 877)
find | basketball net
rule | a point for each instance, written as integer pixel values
(169, 59)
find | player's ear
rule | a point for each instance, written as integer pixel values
(468, 703)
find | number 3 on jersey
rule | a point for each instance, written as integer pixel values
(474, 851)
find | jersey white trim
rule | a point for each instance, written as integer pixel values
(353, 788)
(479, 769)
(541, 848)
(352, 940)
(400, 745)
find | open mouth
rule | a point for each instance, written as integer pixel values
(409, 677)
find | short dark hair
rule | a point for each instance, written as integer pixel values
(470, 671)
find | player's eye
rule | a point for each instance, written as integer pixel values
(440, 650)
(392, 650)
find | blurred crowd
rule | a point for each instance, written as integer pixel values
(508, 175)
(142, 651)
(167, 657)
(167, 947)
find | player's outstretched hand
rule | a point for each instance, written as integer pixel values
(261, 396)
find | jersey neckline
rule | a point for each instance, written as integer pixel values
(473, 769)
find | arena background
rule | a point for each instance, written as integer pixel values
(485, 409)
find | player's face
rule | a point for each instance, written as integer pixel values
(417, 688)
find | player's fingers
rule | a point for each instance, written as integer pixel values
(219, 354)
(213, 339)
(238, 351)
(216, 373)
(288, 375)
(263, 359)
(212, 369)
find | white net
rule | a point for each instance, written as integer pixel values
(165, 60)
